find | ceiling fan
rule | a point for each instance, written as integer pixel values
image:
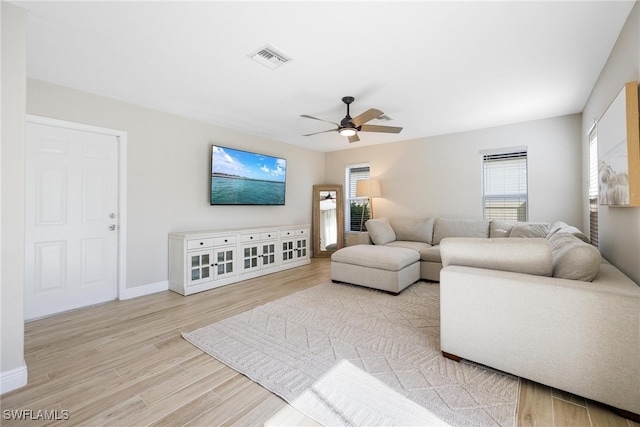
(350, 127)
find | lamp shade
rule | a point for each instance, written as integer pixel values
(368, 188)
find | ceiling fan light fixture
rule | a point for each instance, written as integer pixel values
(347, 131)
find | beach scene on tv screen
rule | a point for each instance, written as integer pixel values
(244, 178)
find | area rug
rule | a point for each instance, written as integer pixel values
(292, 344)
(349, 396)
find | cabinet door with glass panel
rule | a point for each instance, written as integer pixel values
(211, 265)
(295, 245)
(258, 250)
(224, 262)
(251, 257)
(269, 245)
(201, 267)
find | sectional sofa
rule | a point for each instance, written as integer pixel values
(530, 299)
(424, 235)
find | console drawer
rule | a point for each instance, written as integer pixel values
(199, 243)
(268, 235)
(224, 240)
(250, 237)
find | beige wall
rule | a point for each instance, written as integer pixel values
(618, 228)
(441, 175)
(168, 173)
(12, 365)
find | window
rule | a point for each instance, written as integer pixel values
(357, 210)
(593, 185)
(504, 184)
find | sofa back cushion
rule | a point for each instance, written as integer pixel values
(519, 255)
(563, 227)
(573, 258)
(446, 227)
(413, 229)
(500, 228)
(529, 229)
(380, 231)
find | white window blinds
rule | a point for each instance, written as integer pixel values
(504, 182)
(593, 186)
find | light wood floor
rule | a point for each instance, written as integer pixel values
(125, 363)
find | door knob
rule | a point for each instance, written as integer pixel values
(112, 227)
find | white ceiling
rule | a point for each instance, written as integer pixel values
(433, 67)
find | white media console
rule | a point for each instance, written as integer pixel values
(202, 260)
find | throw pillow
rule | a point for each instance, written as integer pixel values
(529, 229)
(500, 228)
(557, 226)
(563, 227)
(413, 229)
(380, 231)
(573, 258)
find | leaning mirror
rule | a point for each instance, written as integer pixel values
(328, 219)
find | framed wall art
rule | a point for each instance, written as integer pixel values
(619, 150)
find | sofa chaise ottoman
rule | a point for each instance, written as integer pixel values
(385, 268)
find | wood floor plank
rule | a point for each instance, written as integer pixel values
(118, 414)
(602, 416)
(234, 404)
(126, 363)
(568, 397)
(569, 414)
(177, 399)
(51, 393)
(157, 393)
(257, 414)
(114, 391)
(535, 407)
(232, 386)
(190, 411)
(202, 363)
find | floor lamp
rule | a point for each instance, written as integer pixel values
(368, 188)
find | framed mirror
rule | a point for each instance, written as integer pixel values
(328, 219)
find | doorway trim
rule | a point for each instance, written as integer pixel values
(121, 137)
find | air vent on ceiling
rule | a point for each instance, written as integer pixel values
(269, 57)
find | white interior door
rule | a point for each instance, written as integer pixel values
(71, 238)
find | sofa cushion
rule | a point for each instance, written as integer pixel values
(500, 228)
(519, 255)
(555, 227)
(381, 257)
(573, 258)
(563, 227)
(416, 246)
(446, 227)
(431, 254)
(529, 229)
(380, 231)
(413, 229)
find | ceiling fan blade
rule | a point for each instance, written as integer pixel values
(363, 118)
(353, 138)
(376, 128)
(322, 131)
(306, 116)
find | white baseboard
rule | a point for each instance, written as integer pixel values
(149, 289)
(13, 379)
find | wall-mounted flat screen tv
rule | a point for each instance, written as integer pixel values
(243, 178)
